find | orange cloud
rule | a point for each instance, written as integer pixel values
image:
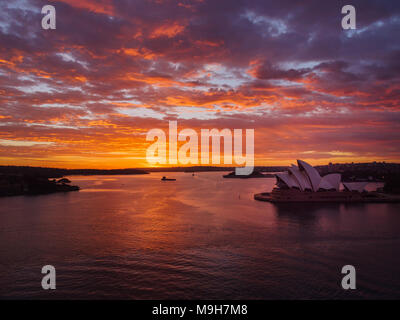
(168, 30)
(98, 6)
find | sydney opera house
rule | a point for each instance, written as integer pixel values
(304, 177)
(303, 183)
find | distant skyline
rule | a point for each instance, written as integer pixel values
(85, 95)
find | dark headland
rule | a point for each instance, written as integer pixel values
(15, 180)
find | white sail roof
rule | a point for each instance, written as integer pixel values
(355, 186)
(333, 179)
(300, 177)
(306, 177)
(288, 180)
(312, 174)
(325, 185)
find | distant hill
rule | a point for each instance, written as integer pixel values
(213, 168)
(371, 171)
(57, 172)
(349, 171)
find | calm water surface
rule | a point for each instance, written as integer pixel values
(135, 237)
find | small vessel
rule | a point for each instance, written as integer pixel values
(166, 179)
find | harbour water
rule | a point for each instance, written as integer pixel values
(202, 236)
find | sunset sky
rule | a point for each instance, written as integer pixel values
(85, 95)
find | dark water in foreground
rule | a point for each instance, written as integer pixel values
(135, 237)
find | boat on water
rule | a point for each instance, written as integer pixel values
(303, 183)
(167, 179)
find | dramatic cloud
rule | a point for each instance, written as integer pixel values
(85, 94)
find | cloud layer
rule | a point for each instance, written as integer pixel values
(85, 94)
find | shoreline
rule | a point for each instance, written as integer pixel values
(344, 197)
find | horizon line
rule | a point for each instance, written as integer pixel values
(191, 166)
